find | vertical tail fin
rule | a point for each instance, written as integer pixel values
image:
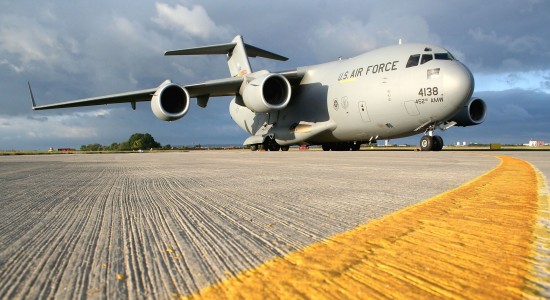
(237, 54)
(237, 59)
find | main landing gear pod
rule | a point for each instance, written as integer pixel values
(269, 145)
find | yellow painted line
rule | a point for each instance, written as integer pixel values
(472, 242)
(347, 80)
(538, 284)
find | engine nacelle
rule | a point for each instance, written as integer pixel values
(473, 113)
(266, 93)
(170, 102)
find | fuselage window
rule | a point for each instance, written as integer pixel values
(443, 56)
(413, 60)
(426, 58)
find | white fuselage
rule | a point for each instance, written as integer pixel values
(377, 95)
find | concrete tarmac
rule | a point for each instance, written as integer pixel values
(160, 225)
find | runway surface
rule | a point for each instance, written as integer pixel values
(169, 225)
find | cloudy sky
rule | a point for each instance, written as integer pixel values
(77, 49)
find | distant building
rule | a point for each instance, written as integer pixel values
(536, 143)
(459, 144)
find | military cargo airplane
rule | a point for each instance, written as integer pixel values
(391, 92)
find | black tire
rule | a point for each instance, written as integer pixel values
(342, 147)
(355, 146)
(274, 147)
(326, 147)
(426, 143)
(254, 147)
(437, 143)
(285, 148)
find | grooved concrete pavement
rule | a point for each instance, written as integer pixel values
(159, 225)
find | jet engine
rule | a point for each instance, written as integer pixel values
(266, 92)
(170, 102)
(473, 113)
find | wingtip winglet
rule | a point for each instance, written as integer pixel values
(32, 96)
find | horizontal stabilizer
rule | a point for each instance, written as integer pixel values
(257, 52)
(237, 53)
(213, 49)
(251, 51)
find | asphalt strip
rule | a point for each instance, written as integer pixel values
(485, 239)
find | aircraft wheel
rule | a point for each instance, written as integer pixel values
(274, 147)
(355, 146)
(341, 147)
(437, 143)
(326, 147)
(426, 143)
(254, 147)
(285, 148)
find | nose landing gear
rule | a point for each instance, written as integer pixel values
(431, 143)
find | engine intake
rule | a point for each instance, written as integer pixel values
(266, 93)
(473, 113)
(170, 102)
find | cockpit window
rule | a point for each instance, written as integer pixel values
(444, 56)
(426, 58)
(413, 60)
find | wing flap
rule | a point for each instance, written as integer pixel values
(216, 88)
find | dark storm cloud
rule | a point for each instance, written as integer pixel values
(513, 117)
(81, 49)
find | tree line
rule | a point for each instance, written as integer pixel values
(138, 141)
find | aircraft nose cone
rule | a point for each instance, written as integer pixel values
(459, 83)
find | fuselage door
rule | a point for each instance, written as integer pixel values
(363, 111)
(411, 108)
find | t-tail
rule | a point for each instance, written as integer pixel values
(237, 53)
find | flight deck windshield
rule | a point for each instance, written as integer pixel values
(416, 59)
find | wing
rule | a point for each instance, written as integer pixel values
(137, 96)
(214, 88)
(205, 90)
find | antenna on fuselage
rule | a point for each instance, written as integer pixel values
(400, 41)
